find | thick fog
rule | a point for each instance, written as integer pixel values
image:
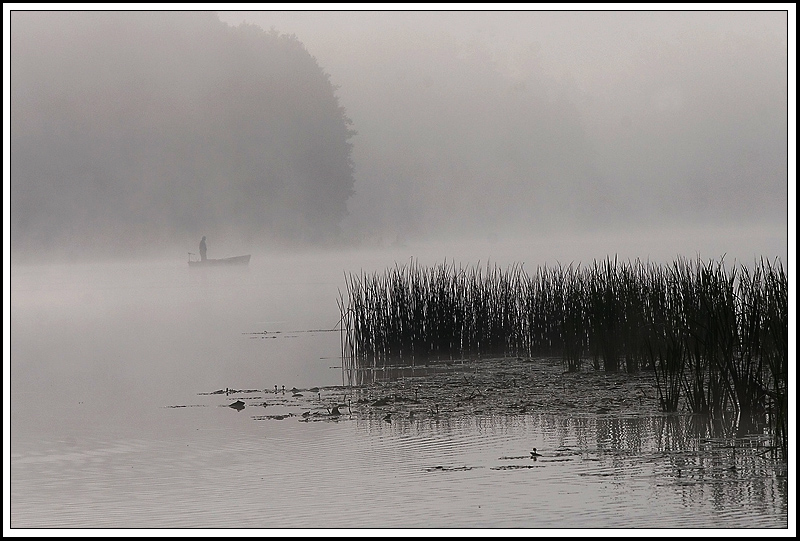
(492, 126)
(327, 144)
(512, 123)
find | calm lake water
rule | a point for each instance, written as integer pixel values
(109, 426)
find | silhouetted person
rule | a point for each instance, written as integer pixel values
(203, 249)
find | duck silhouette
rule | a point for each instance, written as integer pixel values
(534, 454)
(238, 405)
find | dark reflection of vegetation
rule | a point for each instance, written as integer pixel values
(681, 432)
(716, 340)
(367, 376)
(697, 451)
(705, 459)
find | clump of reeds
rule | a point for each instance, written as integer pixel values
(662, 335)
(716, 339)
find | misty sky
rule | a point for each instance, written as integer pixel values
(504, 124)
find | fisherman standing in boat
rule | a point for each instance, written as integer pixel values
(203, 249)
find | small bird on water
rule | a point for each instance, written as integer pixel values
(534, 454)
(238, 405)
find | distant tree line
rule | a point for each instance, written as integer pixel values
(150, 125)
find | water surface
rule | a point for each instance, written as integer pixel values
(101, 355)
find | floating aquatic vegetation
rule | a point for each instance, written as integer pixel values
(272, 417)
(448, 468)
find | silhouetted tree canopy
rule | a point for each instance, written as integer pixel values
(152, 125)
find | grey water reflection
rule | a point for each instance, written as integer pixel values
(683, 454)
(221, 468)
(646, 471)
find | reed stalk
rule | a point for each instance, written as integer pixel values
(716, 339)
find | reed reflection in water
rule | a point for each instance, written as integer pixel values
(359, 471)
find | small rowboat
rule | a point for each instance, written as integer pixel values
(237, 260)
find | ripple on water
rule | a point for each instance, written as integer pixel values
(363, 472)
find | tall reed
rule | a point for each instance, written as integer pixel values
(715, 338)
